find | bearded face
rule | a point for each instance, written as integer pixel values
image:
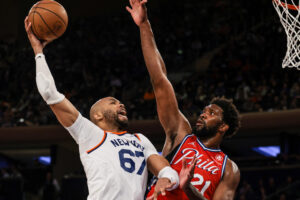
(204, 131)
(118, 118)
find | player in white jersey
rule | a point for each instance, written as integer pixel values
(114, 161)
(117, 158)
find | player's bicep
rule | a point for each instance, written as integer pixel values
(65, 112)
(227, 187)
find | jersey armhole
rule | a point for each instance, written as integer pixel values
(224, 166)
(170, 157)
(137, 136)
(98, 145)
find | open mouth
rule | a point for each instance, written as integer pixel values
(122, 112)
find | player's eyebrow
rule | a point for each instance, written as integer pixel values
(210, 109)
(112, 100)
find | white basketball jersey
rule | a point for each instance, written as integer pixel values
(115, 163)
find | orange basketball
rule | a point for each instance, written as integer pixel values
(49, 19)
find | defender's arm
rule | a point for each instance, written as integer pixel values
(169, 114)
(174, 123)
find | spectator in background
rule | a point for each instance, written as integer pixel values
(238, 63)
(271, 186)
(50, 190)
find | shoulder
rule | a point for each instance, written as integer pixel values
(83, 130)
(81, 121)
(232, 173)
(142, 138)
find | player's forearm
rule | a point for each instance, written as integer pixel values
(152, 57)
(45, 82)
(193, 193)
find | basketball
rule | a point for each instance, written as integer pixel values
(49, 19)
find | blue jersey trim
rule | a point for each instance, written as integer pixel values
(224, 165)
(207, 149)
(183, 141)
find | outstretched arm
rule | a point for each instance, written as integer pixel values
(65, 112)
(174, 123)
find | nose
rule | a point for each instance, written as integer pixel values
(203, 116)
(122, 105)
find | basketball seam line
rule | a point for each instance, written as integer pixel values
(53, 13)
(55, 3)
(33, 25)
(46, 23)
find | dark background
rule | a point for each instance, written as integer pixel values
(222, 45)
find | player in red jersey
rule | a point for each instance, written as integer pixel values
(215, 176)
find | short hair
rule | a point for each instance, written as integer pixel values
(231, 115)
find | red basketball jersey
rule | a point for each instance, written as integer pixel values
(208, 171)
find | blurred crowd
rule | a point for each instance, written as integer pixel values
(213, 48)
(269, 189)
(39, 183)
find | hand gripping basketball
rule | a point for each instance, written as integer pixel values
(49, 20)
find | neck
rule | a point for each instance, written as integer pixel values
(213, 142)
(109, 127)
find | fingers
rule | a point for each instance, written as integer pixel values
(155, 195)
(28, 30)
(26, 21)
(27, 25)
(163, 191)
(131, 2)
(192, 166)
(184, 163)
(171, 185)
(143, 2)
(129, 9)
(137, 2)
(151, 197)
(194, 161)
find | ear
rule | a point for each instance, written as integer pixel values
(98, 116)
(223, 128)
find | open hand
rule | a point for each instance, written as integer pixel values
(138, 11)
(160, 188)
(36, 44)
(187, 172)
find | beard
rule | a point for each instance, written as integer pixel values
(113, 117)
(205, 132)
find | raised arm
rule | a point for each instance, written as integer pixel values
(65, 112)
(174, 123)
